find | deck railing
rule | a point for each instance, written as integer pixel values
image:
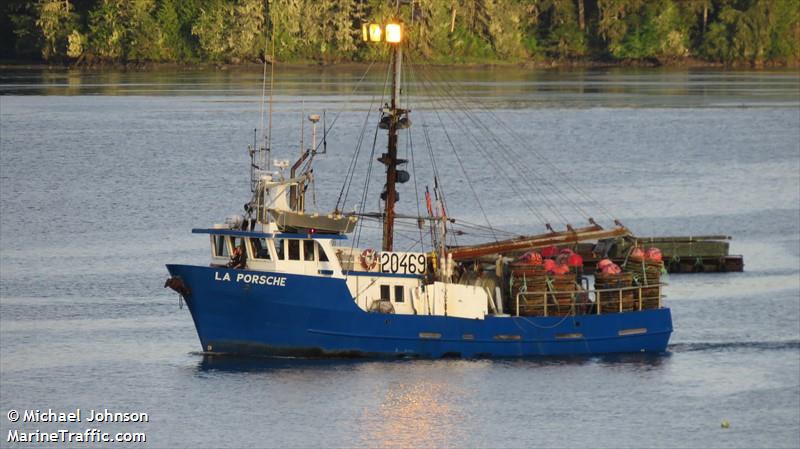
(585, 302)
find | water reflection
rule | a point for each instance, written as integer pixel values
(509, 87)
(422, 412)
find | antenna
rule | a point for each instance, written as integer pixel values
(252, 151)
(271, 85)
(313, 118)
(324, 134)
(302, 127)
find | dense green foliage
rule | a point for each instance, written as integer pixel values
(753, 32)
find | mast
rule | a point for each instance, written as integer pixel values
(389, 159)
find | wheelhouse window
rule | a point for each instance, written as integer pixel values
(260, 248)
(294, 249)
(280, 252)
(385, 293)
(237, 242)
(220, 246)
(308, 250)
(322, 256)
(398, 293)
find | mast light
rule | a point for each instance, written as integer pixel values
(394, 33)
(375, 32)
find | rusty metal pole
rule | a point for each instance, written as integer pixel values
(390, 157)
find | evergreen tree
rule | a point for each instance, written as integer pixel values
(429, 30)
(754, 32)
(612, 25)
(56, 21)
(286, 17)
(656, 30)
(329, 30)
(177, 47)
(25, 39)
(504, 27)
(106, 30)
(231, 31)
(562, 36)
(530, 26)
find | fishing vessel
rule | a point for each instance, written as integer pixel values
(287, 281)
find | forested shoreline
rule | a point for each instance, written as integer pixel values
(753, 33)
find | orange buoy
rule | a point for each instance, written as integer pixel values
(562, 256)
(531, 258)
(636, 254)
(549, 252)
(575, 260)
(653, 254)
(612, 269)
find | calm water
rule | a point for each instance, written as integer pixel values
(103, 176)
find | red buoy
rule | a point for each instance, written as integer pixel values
(575, 260)
(563, 256)
(636, 254)
(653, 254)
(604, 263)
(531, 258)
(549, 252)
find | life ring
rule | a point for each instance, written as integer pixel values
(368, 259)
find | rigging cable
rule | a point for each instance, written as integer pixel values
(350, 95)
(365, 191)
(263, 93)
(410, 149)
(461, 164)
(580, 192)
(510, 162)
(470, 135)
(510, 155)
(354, 159)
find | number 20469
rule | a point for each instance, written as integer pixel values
(402, 263)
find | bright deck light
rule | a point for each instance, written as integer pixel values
(375, 32)
(393, 33)
(365, 32)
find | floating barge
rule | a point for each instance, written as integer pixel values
(682, 254)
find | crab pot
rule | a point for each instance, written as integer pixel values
(529, 278)
(609, 301)
(646, 273)
(563, 290)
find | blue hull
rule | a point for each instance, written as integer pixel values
(287, 314)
